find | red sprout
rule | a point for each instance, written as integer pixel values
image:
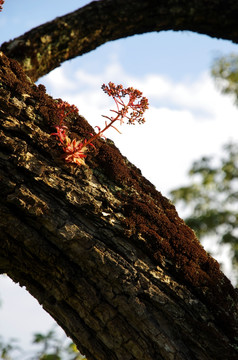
(75, 149)
(1, 4)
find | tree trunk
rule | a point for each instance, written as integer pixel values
(44, 48)
(103, 252)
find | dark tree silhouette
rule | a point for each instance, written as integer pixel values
(103, 252)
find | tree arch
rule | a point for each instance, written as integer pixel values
(103, 252)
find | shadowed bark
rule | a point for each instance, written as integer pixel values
(44, 48)
(103, 252)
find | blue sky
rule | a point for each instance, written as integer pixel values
(188, 117)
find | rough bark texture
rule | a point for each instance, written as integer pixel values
(103, 252)
(45, 48)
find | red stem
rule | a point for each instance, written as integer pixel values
(110, 124)
(102, 131)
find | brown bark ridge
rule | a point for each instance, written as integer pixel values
(44, 48)
(103, 252)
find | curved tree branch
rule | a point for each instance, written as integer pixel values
(103, 252)
(44, 48)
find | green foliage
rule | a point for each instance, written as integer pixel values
(51, 347)
(8, 350)
(212, 198)
(55, 348)
(50, 357)
(225, 72)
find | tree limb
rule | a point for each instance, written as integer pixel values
(103, 252)
(45, 47)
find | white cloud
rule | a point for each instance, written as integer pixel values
(60, 81)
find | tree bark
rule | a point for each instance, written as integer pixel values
(44, 48)
(103, 252)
